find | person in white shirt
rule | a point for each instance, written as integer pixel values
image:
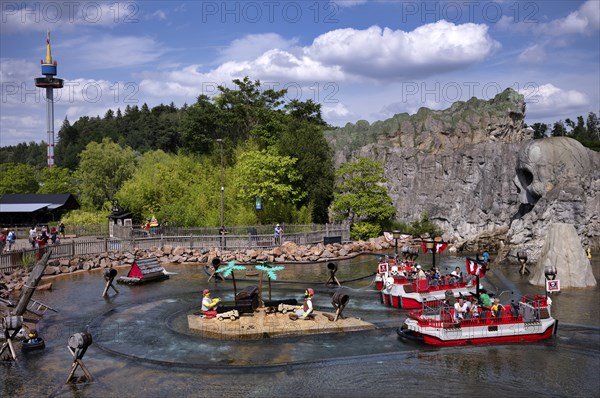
(460, 309)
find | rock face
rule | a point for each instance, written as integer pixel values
(562, 252)
(457, 165)
(477, 173)
(558, 181)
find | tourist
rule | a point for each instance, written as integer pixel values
(457, 275)
(61, 230)
(461, 309)
(434, 278)
(209, 304)
(11, 239)
(3, 240)
(474, 311)
(485, 300)
(497, 308)
(33, 237)
(420, 273)
(278, 234)
(54, 236)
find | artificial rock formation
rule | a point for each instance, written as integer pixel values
(558, 181)
(457, 165)
(562, 252)
(477, 173)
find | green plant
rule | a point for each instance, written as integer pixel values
(28, 261)
(364, 231)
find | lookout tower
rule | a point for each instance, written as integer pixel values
(49, 82)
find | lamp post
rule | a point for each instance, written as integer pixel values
(220, 141)
(396, 235)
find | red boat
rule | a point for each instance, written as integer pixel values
(414, 293)
(528, 320)
(391, 271)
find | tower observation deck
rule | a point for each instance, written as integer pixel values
(50, 83)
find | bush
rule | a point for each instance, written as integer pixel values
(364, 231)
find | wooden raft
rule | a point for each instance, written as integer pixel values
(144, 270)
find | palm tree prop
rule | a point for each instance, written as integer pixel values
(271, 274)
(228, 269)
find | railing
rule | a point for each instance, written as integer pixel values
(130, 239)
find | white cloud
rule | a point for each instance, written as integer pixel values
(349, 3)
(583, 21)
(550, 101)
(534, 54)
(394, 54)
(110, 51)
(252, 46)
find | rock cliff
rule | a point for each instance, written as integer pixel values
(459, 166)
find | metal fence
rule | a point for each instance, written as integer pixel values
(130, 239)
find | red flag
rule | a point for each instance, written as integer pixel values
(440, 247)
(471, 266)
(475, 268)
(424, 246)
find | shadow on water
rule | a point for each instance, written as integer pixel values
(142, 346)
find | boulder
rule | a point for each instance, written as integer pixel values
(563, 252)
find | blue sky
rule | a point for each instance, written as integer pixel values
(360, 59)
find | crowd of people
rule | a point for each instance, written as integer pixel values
(38, 236)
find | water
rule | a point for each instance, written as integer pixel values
(142, 346)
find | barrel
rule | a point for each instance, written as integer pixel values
(110, 273)
(80, 340)
(12, 322)
(216, 262)
(332, 267)
(340, 298)
(522, 256)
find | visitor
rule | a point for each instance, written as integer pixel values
(497, 308)
(278, 234)
(3, 237)
(485, 300)
(222, 233)
(61, 230)
(420, 273)
(54, 236)
(474, 311)
(33, 236)
(11, 239)
(457, 275)
(460, 309)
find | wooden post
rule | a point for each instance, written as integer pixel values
(29, 287)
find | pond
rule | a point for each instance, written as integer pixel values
(143, 348)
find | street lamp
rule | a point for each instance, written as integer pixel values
(220, 141)
(396, 235)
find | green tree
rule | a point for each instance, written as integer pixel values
(558, 129)
(103, 169)
(360, 194)
(269, 176)
(539, 130)
(56, 180)
(17, 178)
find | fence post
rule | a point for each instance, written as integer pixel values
(73, 248)
(106, 245)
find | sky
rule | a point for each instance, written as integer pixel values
(360, 59)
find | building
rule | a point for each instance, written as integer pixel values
(32, 209)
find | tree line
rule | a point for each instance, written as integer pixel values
(586, 132)
(166, 161)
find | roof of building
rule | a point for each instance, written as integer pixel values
(27, 203)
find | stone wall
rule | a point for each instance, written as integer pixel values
(167, 254)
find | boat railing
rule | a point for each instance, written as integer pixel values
(446, 318)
